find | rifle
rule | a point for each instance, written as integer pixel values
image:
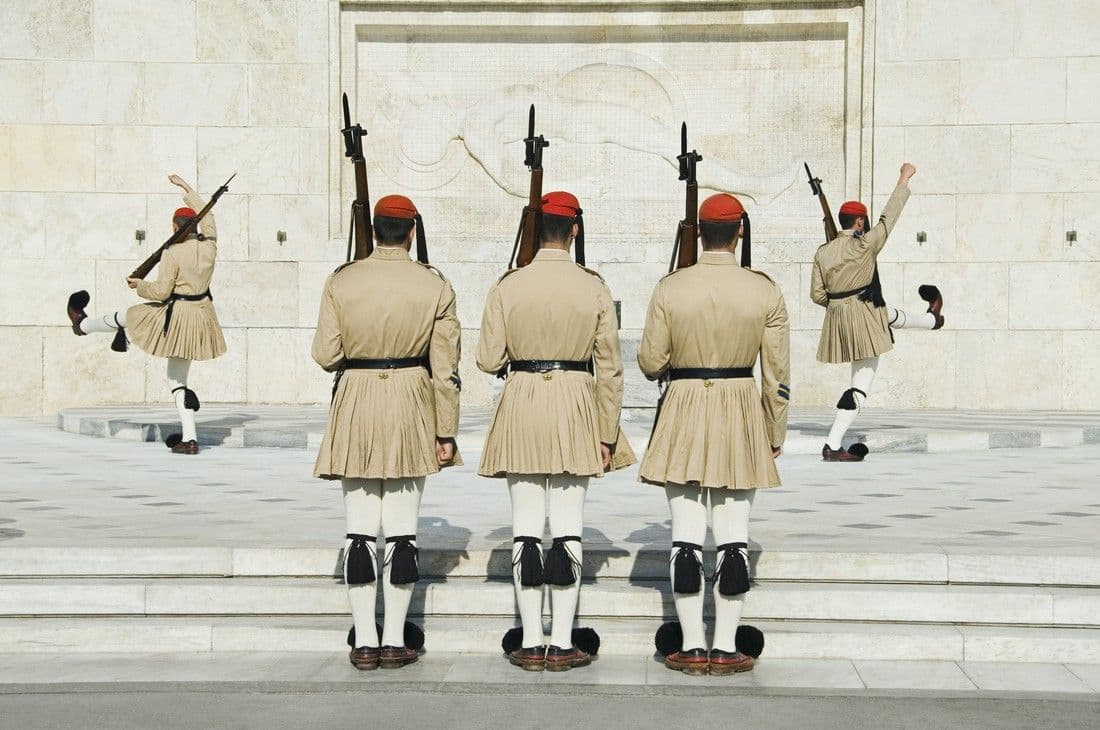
(830, 225)
(685, 249)
(180, 234)
(360, 225)
(527, 237)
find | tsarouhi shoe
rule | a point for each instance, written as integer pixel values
(842, 454)
(729, 662)
(186, 447)
(365, 657)
(78, 300)
(395, 657)
(689, 661)
(531, 658)
(932, 295)
(560, 660)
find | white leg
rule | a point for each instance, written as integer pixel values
(863, 377)
(177, 381)
(528, 492)
(400, 510)
(107, 324)
(901, 319)
(566, 511)
(363, 510)
(730, 521)
(688, 506)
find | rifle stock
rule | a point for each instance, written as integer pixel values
(685, 249)
(831, 231)
(361, 226)
(180, 234)
(527, 237)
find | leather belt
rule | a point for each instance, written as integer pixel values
(185, 298)
(545, 366)
(708, 373)
(385, 363)
(849, 293)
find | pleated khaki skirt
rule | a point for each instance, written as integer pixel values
(853, 330)
(193, 334)
(381, 425)
(548, 425)
(711, 436)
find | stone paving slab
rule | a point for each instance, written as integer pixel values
(301, 427)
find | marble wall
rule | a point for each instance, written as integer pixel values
(992, 99)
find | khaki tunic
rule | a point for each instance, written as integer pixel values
(717, 433)
(184, 268)
(383, 424)
(553, 423)
(854, 329)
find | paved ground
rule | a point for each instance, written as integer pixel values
(58, 488)
(351, 709)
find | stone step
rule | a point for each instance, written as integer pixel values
(950, 604)
(602, 561)
(619, 636)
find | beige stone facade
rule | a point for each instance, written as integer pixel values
(993, 100)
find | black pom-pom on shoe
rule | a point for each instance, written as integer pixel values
(587, 640)
(859, 450)
(513, 639)
(174, 440)
(669, 638)
(414, 636)
(749, 641)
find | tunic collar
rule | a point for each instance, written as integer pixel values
(552, 254)
(390, 253)
(722, 258)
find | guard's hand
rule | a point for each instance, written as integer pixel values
(179, 182)
(776, 451)
(444, 451)
(605, 455)
(132, 282)
(907, 171)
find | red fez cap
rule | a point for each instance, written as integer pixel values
(561, 203)
(854, 207)
(184, 213)
(396, 206)
(721, 208)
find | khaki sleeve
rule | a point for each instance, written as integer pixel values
(875, 239)
(492, 346)
(167, 271)
(328, 346)
(444, 352)
(817, 287)
(655, 350)
(775, 370)
(206, 226)
(609, 369)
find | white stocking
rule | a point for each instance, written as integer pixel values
(108, 323)
(177, 381)
(528, 492)
(400, 510)
(363, 508)
(900, 320)
(565, 500)
(688, 506)
(863, 377)
(729, 510)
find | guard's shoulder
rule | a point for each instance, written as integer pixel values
(673, 273)
(590, 271)
(760, 273)
(432, 269)
(341, 267)
(507, 273)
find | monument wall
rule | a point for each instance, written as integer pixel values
(992, 100)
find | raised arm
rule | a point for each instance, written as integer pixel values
(444, 352)
(775, 371)
(876, 237)
(328, 347)
(194, 201)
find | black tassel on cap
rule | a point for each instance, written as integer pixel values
(403, 560)
(529, 561)
(421, 241)
(578, 243)
(732, 573)
(746, 241)
(687, 569)
(561, 567)
(359, 560)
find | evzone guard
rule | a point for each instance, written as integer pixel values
(178, 322)
(387, 326)
(858, 326)
(550, 326)
(716, 436)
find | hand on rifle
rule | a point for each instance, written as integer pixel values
(179, 182)
(605, 455)
(132, 282)
(444, 451)
(907, 171)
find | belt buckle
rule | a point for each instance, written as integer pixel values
(707, 383)
(383, 375)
